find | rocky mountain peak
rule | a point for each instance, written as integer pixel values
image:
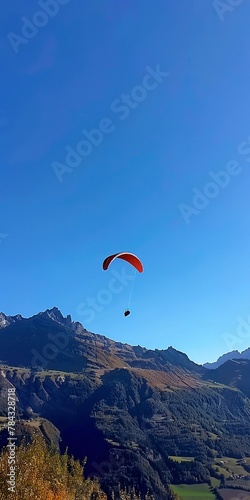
(7, 320)
(56, 315)
(3, 320)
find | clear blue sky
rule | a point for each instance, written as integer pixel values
(126, 194)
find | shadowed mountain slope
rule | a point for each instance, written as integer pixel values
(127, 408)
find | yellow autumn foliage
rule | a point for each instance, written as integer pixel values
(43, 474)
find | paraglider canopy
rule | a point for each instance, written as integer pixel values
(129, 257)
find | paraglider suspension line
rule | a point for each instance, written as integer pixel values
(132, 287)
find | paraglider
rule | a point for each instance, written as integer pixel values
(131, 259)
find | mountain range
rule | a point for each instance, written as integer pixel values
(228, 356)
(127, 408)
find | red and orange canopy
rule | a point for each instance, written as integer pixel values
(129, 257)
